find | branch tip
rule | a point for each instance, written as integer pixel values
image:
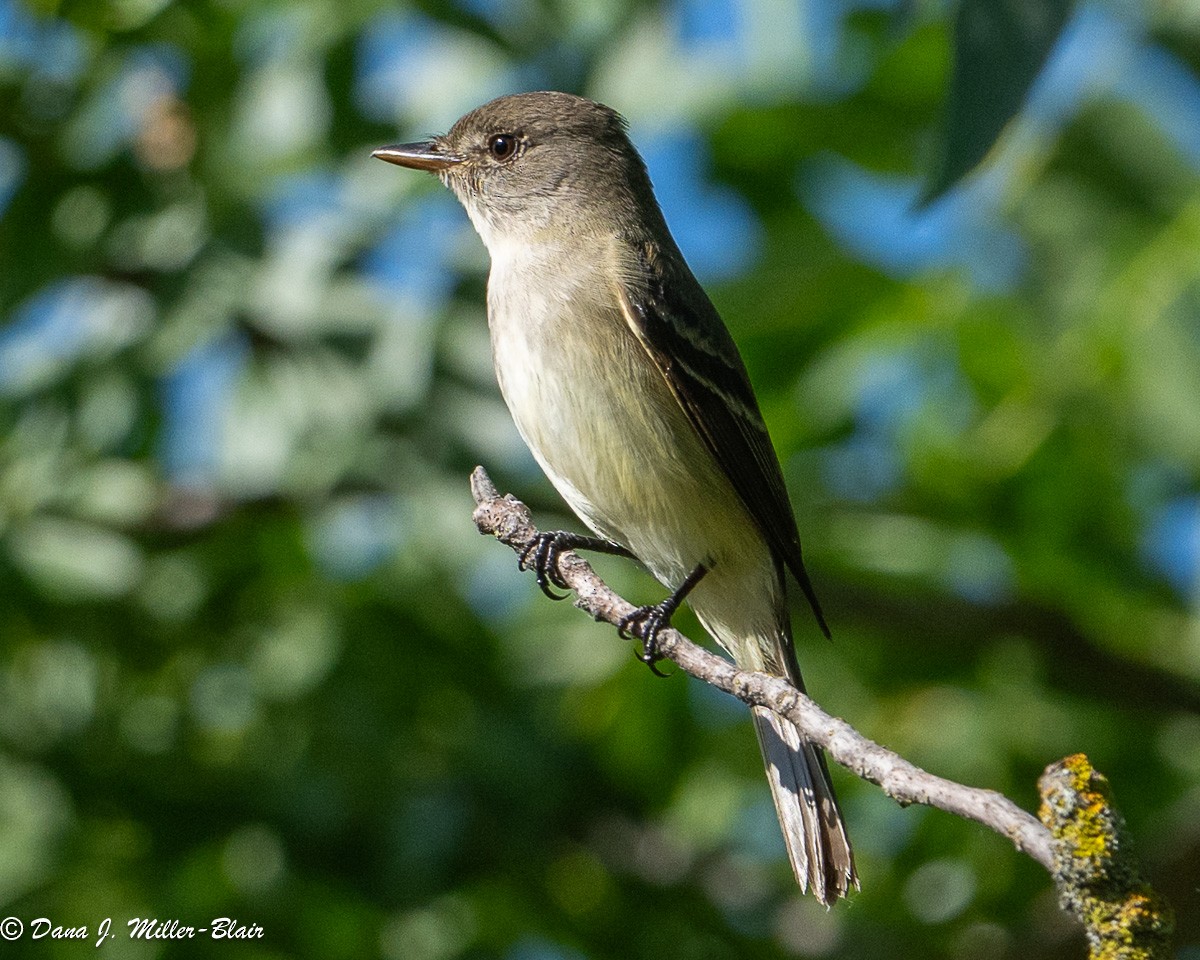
(482, 488)
(1081, 839)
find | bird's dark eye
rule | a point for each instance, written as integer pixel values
(502, 146)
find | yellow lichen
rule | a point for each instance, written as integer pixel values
(1097, 878)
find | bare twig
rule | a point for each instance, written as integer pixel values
(509, 521)
(1082, 844)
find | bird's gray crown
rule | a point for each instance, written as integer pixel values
(542, 157)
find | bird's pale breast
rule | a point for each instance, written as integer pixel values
(603, 424)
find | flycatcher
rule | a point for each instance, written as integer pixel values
(631, 394)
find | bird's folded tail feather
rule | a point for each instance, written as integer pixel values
(816, 840)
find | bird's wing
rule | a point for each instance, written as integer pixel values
(674, 320)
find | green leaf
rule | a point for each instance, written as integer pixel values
(1000, 47)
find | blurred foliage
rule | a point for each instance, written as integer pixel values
(255, 661)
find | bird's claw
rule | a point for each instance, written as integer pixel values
(541, 556)
(645, 624)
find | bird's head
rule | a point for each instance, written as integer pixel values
(531, 160)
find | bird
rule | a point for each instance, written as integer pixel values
(629, 390)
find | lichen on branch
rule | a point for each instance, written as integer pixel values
(1080, 839)
(1094, 869)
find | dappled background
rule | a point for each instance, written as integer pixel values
(254, 659)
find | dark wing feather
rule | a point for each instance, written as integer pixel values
(675, 321)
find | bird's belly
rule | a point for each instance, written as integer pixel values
(604, 425)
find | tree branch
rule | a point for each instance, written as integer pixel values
(1094, 869)
(509, 520)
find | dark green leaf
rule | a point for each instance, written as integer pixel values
(1000, 47)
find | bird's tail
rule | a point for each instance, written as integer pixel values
(812, 825)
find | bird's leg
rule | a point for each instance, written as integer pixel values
(646, 622)
(542, 552)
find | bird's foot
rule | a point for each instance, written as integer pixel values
(541, 555)
(645, 623)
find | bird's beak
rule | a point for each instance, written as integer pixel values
(427, 155)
